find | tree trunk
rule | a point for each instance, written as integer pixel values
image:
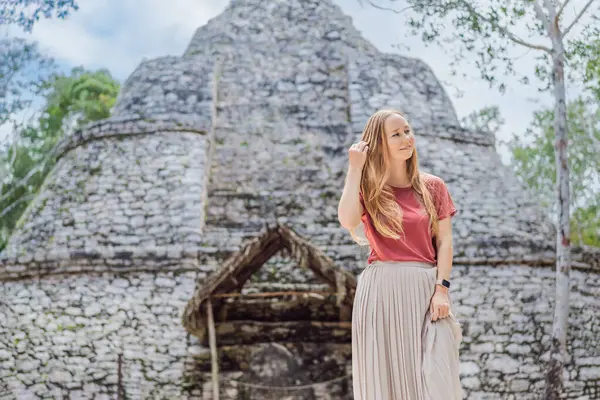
(558, 353)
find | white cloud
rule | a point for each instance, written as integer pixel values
(117, 34)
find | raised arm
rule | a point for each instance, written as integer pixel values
(349, 209)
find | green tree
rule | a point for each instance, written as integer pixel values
(70, 102)
(490, 32)
(24, 175)
(532, 154)
(22, 68)
(533, 161)
(76, 99)
(488, 119)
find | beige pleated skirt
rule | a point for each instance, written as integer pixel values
(398, 353)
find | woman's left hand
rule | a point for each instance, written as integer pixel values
(440, 305)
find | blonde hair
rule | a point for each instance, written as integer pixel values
(379, 198)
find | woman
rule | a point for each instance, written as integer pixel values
(405, 340)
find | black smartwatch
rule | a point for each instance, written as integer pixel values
(445, 283)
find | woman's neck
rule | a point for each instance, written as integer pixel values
(399, 175)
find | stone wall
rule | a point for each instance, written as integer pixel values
(60, 336)
(129, 191)
(278, 138)
(129, 200)
(408, 85)
(507, 313)
(173, 87)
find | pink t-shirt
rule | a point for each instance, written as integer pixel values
(416, 244)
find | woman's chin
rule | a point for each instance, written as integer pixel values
(405, 154)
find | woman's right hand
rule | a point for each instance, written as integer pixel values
(357, 155)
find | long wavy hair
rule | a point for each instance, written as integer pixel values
(379, 198)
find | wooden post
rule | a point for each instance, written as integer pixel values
(212, 339)
(120, 376)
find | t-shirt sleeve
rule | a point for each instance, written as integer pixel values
(443, 201)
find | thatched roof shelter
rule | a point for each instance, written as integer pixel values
(313, 313)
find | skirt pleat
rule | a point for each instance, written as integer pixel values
(398, 353)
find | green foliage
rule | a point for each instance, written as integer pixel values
(71, 101)
(22, 163)
(534, 162)
(76, 99)
(25, 13)
(589, 58)
(585, 224)
(488, 119)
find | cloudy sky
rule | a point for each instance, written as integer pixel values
(118, 34)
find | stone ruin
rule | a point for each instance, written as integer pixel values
(250, 128)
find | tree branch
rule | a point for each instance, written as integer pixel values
(505, 31)
(560, 10)
(551, 7)
(387, 8)
(542, 17)
(588, 4)
(16, 203)
(22, 182)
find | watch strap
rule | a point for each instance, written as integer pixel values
(443, 282)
